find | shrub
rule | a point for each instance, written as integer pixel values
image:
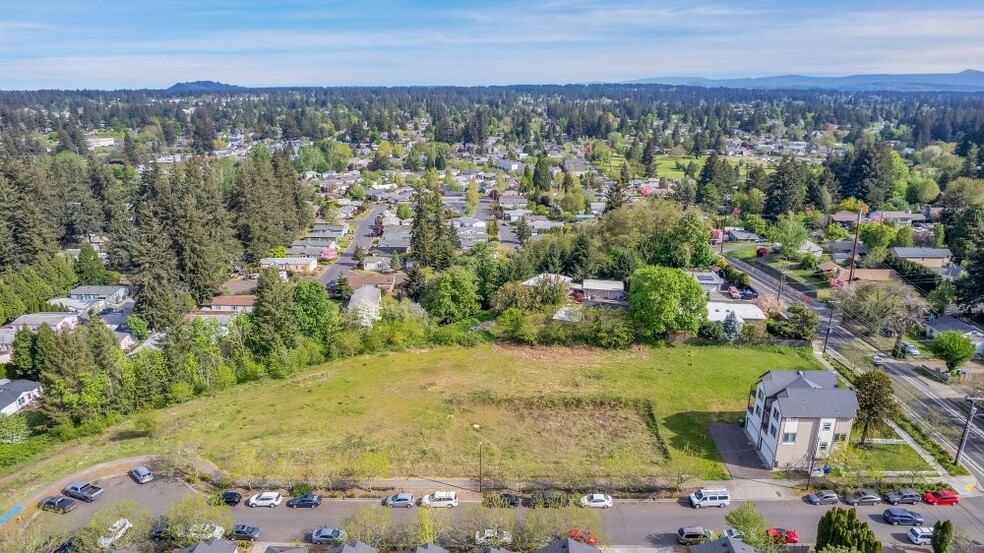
(300, 489)
(711, 331)
(752, 331)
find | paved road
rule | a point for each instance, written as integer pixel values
(363, 237)
(630, 523)
(921, 399)
(507, 233)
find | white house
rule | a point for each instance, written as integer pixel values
(57, 321)
(378, 263)
(17, 394)
(603, 289)
(548, 277)
(77, 306)
(709, 281)
(291, 264)
(108, 294)
(717, 311)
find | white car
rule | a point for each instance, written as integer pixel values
(920, 535)
(114, 533)
(440, 499)
(327, 535)
(265, 499)
(877, 360)
(597, 500)
(206, 531)
(493, 536)
(910, 350)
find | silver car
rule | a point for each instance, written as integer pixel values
(141, 474)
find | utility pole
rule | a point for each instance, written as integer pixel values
(966, 431)
(830, 320)
(854, 250)
(480, 475)
(782, 279)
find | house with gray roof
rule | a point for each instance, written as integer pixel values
(726, 544)
(285, 549)
(795, 417)
(927, 257)
(354, 547)
(568, 545)
(427, 548)
(947, 323)
(211, 546)
(17, 394)
(108, 294)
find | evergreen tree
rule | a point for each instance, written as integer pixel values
(272, 317)
(203, 131)
(153, 272)
(942, 536)
(617, 194)
(732, 327)
(787, 187)
(541, 175)
(708, 190)
(358, 255)
(523, 231)
(649, 160)
(842, 528)
(130, 151)
(22, 358)
(581, 258)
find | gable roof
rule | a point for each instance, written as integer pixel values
(211, 546)
(355, 547)
(285, 549)
(723, 545)
(567, 545)
(427, 548)
(243, 300)
(839, 403)
(774, 382)
(922, 253)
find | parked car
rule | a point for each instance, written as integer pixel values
(141, 474)
(399, 500)
(71, 545)
(83, 490)
(920, 535)
(265, 499)
(822, 497)
(502, 500)
(865, 497)
(328, 535)
(56, 504)
(306, 501)
(902, 516)
(597, 500)
(910, 350)
(245, 532)
(232, 498)
(114, 533)
(781, 535)
(493, 536)
(692, 535)
(206, 531)
(904, 495)
(440, 499)
(710, 497)
(941, 497)
(550, 498)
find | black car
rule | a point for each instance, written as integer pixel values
(244, 532)
(306, 501)
(57, 504)
(550, 498)
(905, 495)
(866, 497)
(70, 546)
(501, 500)
(232, 498)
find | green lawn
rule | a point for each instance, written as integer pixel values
(413, 413)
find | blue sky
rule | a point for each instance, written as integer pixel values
(154, 43)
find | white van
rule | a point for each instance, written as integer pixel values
(715, 497)
(920, 535)
(440, 499)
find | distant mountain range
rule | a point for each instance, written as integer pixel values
(965, 81)
(202, 86)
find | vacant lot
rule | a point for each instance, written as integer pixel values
(542, 412)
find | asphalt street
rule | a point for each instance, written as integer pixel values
(362, 237)
(628, 523)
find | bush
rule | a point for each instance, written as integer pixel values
(713, 331)
(752, 331)
(300, 489)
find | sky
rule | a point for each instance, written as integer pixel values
(111, 44)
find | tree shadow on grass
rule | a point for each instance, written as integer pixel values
(690, 434)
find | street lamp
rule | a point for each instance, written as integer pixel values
(478, 427)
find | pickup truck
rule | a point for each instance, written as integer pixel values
(83, 491)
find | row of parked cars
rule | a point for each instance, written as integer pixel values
(548, 498)
(868, 497)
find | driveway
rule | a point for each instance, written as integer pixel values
(737, 452)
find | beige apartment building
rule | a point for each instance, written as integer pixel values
(797, 417)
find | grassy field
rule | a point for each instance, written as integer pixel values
(559, 412)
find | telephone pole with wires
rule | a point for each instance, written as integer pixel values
(854, 250)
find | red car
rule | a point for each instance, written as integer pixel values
(941, 497)
(781, 535)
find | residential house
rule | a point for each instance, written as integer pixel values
(794, 417)
(740, 235)
(709, 281)
(301, 248)
(576, 167)
(897, 217)
(109, 294)
(427, 548)
(548, 277)
(510, 165)
(603, 289)
(844, 218)
(285, 549)
(17, 394)
(718, 311)
(568, 545)
(927, 257)
(57, 321)
(392, 243)
(7, 344)
(947, 323)
(125, 340)
(232, 304)
(291, 264)
(79, 307)
(386, 282)
(544, 226)
(378, 263)
(842, 249)
(809, 247)
(469, 222)
(348, 211)
(355, 547)
(211, 546)
(365, 302)
(727, 544)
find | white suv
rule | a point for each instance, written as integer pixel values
(920, 535)
(265, 499)
(115, 533)
(440, 499)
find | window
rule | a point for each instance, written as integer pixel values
(839, 438)
(761, 394)
(824, 446)
(775, 412)
(758, 410)
(773, 431)
(789, 437)
(827, 426)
